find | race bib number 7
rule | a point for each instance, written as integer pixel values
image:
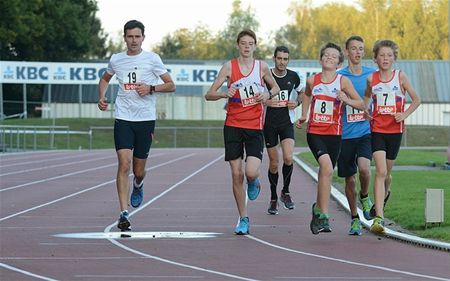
(386, 103)
(247, 94)
(323, 111)
(130, 80)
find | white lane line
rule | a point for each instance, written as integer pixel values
(53, 166)
(57, 177)
(46, 160)
(346, 261)
(88, 189)
(126, 248)
(127, 277)
(26, 272)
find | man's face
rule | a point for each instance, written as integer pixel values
(355, 51)
(134, 38)
(281, 61)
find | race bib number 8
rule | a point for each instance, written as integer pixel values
(130, 80)
(353, 114)
(247, 94)
(323, 111)
(386, 103)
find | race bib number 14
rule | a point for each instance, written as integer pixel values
(247, 94)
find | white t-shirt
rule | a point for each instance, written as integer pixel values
(146, 68)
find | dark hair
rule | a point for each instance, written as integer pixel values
(246, 32)
(133, 24)
(334, 46)
(282, 49)
(385, 43)
(353, 38)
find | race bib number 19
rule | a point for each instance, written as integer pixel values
(386, 103)
(130, 80)
(323, 111)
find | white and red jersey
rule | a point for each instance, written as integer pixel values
(242, 109)
(325, 112)
(388, 99)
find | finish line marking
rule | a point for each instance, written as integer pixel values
(139, 235)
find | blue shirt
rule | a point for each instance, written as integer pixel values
(351, 130)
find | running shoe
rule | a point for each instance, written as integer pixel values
(243, 227)
(273, 207)
(286, 199)
(373, 213)
(253, 189)
(124, 223)
(355, 227)
(137, 195)
(319, 222)
(378, 226)
(367, 205)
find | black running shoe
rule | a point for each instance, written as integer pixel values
(124, 223)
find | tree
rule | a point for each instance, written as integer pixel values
(50, 30)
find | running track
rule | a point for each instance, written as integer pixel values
(59, 208)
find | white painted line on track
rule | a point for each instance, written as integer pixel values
(55, 166)
(28, 161)
(88, 189)
(345, 261)
(129, 249)
(26, 272)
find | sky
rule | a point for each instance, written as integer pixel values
(163, 17)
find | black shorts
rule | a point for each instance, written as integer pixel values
(324, 144)
(236, 139)
(351, 150)
(134, 135)
(387, 142)
(271, 133)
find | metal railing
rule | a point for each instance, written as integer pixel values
(34, 137)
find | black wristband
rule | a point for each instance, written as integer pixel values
(152, 89)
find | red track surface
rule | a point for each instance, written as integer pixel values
(186, 190)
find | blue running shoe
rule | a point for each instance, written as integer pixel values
(355, 227)
(366, 204)
(253, 189)
(137, 195)
(243, 227)
(124, 223)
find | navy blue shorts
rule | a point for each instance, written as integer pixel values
(351, 150)
(324, 144)
(236, 139)
(134, 135)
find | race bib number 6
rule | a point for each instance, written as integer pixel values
(130, 80)
(386, 103)
(323, 111)
(248, 95)
(282, 97)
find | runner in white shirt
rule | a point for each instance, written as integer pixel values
(138, 73)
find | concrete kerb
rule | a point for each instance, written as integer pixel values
(342, 200)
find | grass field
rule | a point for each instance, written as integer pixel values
(405, 208)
